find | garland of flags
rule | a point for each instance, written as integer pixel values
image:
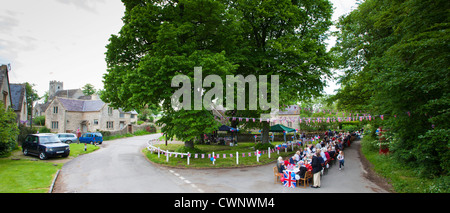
(352, 116)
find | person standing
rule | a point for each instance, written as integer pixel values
(340, 158)
(316, 169)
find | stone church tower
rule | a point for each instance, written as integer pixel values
(54, 87)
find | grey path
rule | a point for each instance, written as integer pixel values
(119, 166)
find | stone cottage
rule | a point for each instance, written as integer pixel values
(5, 95)
(19, 102)
(72, 115)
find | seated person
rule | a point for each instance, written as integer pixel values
(292, 160)
(286, 161)
(280, 165)
(302, 169)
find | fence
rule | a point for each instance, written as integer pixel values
(152, 148)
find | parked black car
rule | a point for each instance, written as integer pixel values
(44, 145)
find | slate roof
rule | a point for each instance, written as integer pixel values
(17, 95)
(76, 105)
(43, 106)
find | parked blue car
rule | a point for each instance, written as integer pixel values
(91, 138)
(44, 145)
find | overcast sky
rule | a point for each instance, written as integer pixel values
(65, 40)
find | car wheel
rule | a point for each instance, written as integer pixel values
(25, 152)
(42, 156)
(68, 142)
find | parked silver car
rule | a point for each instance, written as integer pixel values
(67, 137)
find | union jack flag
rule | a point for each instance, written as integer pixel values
(289, 179)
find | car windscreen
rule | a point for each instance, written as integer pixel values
(49, 139)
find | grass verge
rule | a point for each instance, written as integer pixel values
(404, 179)
(28, 174)
(227, 162)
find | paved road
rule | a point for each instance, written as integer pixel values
(119, 166)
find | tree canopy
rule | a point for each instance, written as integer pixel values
(162, 39)
(395, 55)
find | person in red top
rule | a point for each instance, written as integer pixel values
(286, 161)
(327, 155)
(309, 167)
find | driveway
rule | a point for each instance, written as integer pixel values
(119, 166)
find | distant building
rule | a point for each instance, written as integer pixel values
(19, 102)
(56, 89)
(71, 111)
(5, 95)
(70, 115)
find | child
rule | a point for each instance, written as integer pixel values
(340, 157)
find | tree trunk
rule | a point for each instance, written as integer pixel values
(189, 144)
(265, 132)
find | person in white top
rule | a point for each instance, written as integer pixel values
(340, 157)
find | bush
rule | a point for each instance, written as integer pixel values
(8, 131)
(185, 149)
(151, 128)
(39, 120)
(264, 146)
(141, 132)
(433, 153)
(44, 130)
(23, 132)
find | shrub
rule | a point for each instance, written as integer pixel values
(151, 128)
(44, 130)
(185, 149)
(264, 146)
(8, 131)
(39, 120)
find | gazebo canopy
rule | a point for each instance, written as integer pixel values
(280, 128)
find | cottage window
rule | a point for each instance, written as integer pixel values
(110, 124)
(132, 116)
(54, 124)
(110, 111)
(55, 109)
(122, 115)
(95, 121)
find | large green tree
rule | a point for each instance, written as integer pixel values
(163, 39)
(396, 59)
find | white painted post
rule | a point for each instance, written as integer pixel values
(167, 155)
(158, 151)
(188, 159)
(285, 149)
(213, 158)
(292, 146)
(278, 151)
(237, 158)
(257, 156)
(268, 151)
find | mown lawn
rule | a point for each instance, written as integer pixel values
(26, 176)
(227, 162)
(29, 174)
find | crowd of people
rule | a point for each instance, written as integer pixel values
(318, 157)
